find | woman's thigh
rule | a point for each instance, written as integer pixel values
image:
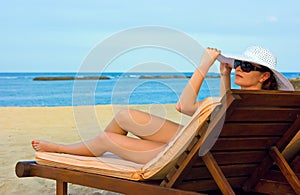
(147, 126)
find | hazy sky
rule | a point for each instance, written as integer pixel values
(56, 36)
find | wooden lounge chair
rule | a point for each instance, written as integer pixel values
(255, 128)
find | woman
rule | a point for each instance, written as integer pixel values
(254, 70)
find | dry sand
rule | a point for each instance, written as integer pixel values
(20, 125)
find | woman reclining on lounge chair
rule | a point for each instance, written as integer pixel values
(254, 70)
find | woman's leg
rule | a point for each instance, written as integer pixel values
(143, 125)
(133, 149)
(154, 132)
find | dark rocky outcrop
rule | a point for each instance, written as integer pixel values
(164, 77)
(65, 78)
(296, 83)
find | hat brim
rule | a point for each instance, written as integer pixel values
(229, 59)
(282, 81)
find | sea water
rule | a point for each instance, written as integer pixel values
(20, 89)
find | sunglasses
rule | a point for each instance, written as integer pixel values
(247, 66)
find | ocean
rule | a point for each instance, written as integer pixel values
(21, 90)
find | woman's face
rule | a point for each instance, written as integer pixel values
(252, 80)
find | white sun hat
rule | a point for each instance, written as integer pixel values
(261, 56)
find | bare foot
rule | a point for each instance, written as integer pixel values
(44, 146)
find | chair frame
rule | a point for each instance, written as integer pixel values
(174, 181)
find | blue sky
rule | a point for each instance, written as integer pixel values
(56, 36)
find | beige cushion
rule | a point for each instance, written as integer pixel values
(113, 166)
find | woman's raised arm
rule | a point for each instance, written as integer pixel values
(187, 102)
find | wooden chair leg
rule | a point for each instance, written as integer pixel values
(217, 173)
(61, 187)
(285, 169)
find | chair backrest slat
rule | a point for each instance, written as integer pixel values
(254, 129)
(261, 114)
(240, 144)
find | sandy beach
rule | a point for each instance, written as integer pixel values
(20, 125)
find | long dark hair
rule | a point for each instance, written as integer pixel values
(270, 83)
